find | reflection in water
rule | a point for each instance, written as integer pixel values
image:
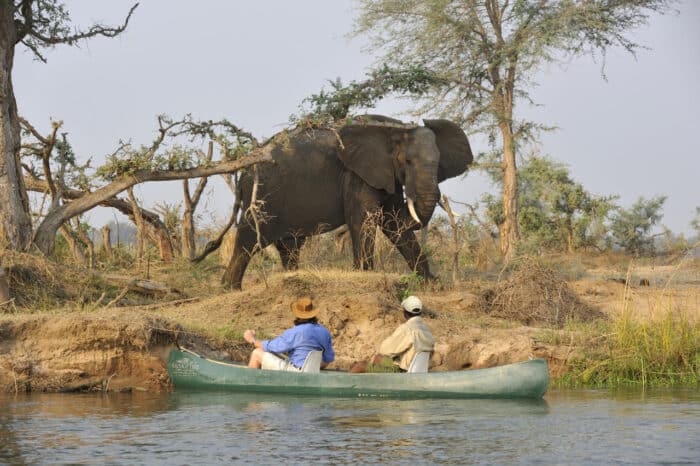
(573, 427)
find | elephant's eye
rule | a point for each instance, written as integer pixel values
(408, 161)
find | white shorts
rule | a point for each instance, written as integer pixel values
(271, 362)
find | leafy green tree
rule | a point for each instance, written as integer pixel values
(631, 228)
(554, 211)
(485, 54)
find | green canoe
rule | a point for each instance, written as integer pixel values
(527, 379)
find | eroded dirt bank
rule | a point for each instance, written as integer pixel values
(125, 348)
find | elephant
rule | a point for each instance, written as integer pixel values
(372, 172)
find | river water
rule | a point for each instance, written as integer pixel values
(568, 427)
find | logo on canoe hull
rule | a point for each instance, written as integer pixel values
(185, 368)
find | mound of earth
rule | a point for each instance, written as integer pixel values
(536, 295)
(71, 352)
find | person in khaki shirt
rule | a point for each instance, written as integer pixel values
(409, 338)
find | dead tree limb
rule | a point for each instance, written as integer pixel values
(45, 233)
(456, 246)
(214, 245)
(140, 237)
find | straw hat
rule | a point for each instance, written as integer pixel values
(303, 308)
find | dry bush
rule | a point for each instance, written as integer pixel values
(535, 294)
(38, 283)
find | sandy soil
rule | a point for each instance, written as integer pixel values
(125, 348)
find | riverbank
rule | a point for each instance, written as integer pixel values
(575, 324)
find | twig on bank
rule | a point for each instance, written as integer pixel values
(176, 302)
(9, 301)
(118, 298)
(99, 300)
(106, 385)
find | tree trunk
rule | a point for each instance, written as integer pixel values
(161, 237)
(508, 230)
(139, 226)
(74, 243)
(15, 220)
(107, 241)
(87, 242)
(4, 287)
(569, 234)
(188, 244)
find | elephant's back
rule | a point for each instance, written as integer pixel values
(303, 188)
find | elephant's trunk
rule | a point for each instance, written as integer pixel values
(424, 207)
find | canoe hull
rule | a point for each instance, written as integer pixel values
(527, 379)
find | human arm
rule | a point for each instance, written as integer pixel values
(396, 343)
(328, 352)
(282, 344)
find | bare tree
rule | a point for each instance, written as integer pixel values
(36, 24)
(191, 201)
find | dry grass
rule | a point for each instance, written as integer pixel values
(535, 294)
(39, 284)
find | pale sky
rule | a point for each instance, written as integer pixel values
(253, 63)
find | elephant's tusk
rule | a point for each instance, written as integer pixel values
(412, 210)
(442, 204)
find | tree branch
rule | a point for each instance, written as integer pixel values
(96, 30)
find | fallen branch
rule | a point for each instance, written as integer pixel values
(141, 286)
(118, 298)
(174, 303)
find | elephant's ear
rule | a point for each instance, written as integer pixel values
(368, 152)
(455, 152)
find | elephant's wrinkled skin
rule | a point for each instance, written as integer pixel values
(318, 184)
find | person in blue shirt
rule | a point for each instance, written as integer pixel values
(306, 335)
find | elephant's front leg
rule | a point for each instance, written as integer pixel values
(362, 223)
(362, 234)
(409, 247)
(363, 213)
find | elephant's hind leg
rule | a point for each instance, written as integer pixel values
(244, 249)
(289, 249)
